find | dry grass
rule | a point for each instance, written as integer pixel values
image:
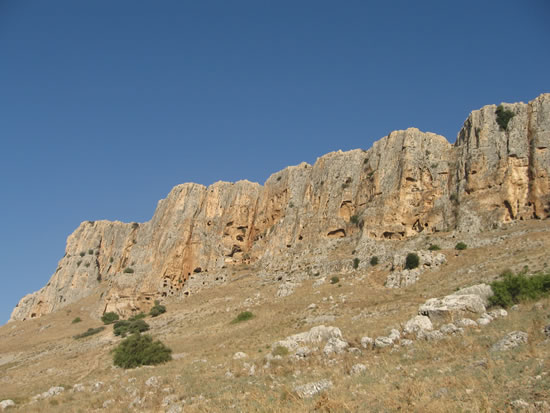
(457, 374)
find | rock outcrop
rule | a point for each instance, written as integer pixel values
(409, 182)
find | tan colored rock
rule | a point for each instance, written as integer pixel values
(408, 182)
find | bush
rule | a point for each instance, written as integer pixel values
(334, 280)
(434, 247)
(503, 117)
(374, 261)
(412, 261)
(89, 332)
(77, 320)
(244, 316)
(356, 263)
(138, 350)
(82, 253)
(91, 252)
(109, 318)
(128, 270)
(515, 288)
(138, 316)
(354, 219)
(461, 246)
(124, 327)
(157, 309)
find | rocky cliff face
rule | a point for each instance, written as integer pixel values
(409, 182)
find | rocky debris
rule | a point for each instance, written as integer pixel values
(418, 323)
(311, 389)
(335, 346)
(367, 342)
(325, 318)
(483, 291)
(406, 342)
(314, 335)
(435, 335)
(498, 313)
(409, 182)
(286, 289)
(239, 355)
(546, 331)
(175, 408)
(97, 386)
(153, 381)
(452, 307)
(302, 352)
(520, 404)
(450, 329)
(405, 277)
(78, 387)
(4, 404)
(510, 341)
(466, 322)
(53, 391)
(108, 403)
(358, 369)
(381, 342)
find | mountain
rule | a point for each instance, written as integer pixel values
(409, 185)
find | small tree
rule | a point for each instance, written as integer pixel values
(138, 350)
(110, 317)
(503, 117)
(434, 247)
(157, 309)
(461, 246)
(356, 263)
(374, 261)
(124, 327)
(244, 316)
(412, 261)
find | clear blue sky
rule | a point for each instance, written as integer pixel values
(105, 105)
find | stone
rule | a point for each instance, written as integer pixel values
(53, 391)
(239, 355)
(452, 307)
(314, 335)
(466, 322)
(175, 408)
(394, 335)
(382, 342)
(152, 381)
(483, 321)
(335, 346)
(78, 387)
(4, 404)
(510, 341)
(450, 329)
(108, 403)
(520, 404)
(418, 323)
(484, 291)
(311, 389)
(358, 369)
(367, 342)
(406, 342)
(498, 313)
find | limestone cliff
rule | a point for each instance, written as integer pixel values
(409, 182)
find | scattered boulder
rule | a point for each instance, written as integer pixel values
(108, 403)
(382, 342)
(451, 307)
(404, 278)
(483, 291)
(314, 335)
(520, 404)
(286, 289)
(53, 391)
(313, 388)
(152, 382)
(418, 323)
(4, 404)
(367, 342)
(510, 341)
(466, 322)
(451, 329)
(335, 346)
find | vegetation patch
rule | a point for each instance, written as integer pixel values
(110, 317)
(354, 219)
(244, 316)
(356, 263)
(280, 351)
(128, 270)
(334, 280)
(461, 246)
(125, 327)
(157, 309)
(503, 117)
(138, 316)
(139, 350)
(434, 247)
(89, 332)
(374, 261)
(412, 261)
(515, 288)
(77, 320)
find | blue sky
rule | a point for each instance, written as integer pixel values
(106, 105)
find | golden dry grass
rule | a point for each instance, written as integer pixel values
(457, 374)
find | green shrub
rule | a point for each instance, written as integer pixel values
(461, 246)
(138, 316)
(356, 263)
(124, 327)
(128, 270)
(78, 263)
(111, 260)
(515, 288)
(244, 316)
(109, 318)
(434, 247)
(135, 225)
(503, 117)
(412, 261)
(354, 219)
(76, 320)
(138, 350)
(91, 252)
(82, 253)
(89, 332)
(157, 309)
(280, 351)
(334, 280)
(374, 261)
